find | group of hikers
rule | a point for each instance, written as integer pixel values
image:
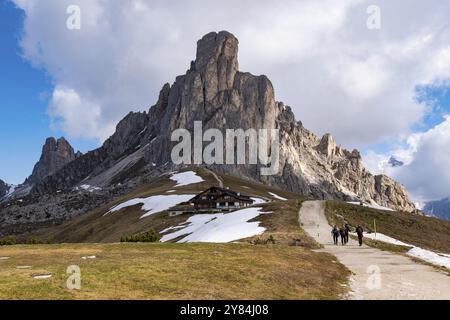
(344, 232)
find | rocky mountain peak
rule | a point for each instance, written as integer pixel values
(216, 93)
(216, 62)
(55, 155)
(327, 145)
(218, 53)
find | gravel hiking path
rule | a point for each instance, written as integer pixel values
(376, 274)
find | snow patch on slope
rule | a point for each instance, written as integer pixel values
(438, 259)
(153, 204)
(373, 206)
(385, 238)
(277, 196)
(11, 189)
(89, 188)
(186, 178)
(258, 200)
(219, 228)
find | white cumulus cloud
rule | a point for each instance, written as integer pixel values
(428, 174)
(320, 55)
(339, 76)
(426, 158)
(76, 115)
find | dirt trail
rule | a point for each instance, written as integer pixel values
(377, 275)
(219, 181)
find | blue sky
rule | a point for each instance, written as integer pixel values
(439, 100)
(24, 97)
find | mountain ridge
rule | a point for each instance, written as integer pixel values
(215, 92)
(56, 153)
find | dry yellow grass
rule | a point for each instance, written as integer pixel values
(282, 223)
(172, 271)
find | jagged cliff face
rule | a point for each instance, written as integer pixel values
(212, 91)
(4, 188)
(55, 155)
(215, 92)
(325, 170)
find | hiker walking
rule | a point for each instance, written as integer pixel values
(342, 234)
(360, 232)
(347, 231)
(335, 233)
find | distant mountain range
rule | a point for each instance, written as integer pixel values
(64, 184)
(439, 209)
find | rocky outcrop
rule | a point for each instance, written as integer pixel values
(327, 146)
(4, 188)
(320, 168)
(388, 191)
(125, 141)
(216, 93)
(55, 155)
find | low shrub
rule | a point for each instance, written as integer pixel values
(266, 241)
(149, 236)
(9, 241)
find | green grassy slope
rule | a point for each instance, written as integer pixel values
(425, 232)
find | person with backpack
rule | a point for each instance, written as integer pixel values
(360, 233)
(347, 232)
(342, 234)
(335, 233)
